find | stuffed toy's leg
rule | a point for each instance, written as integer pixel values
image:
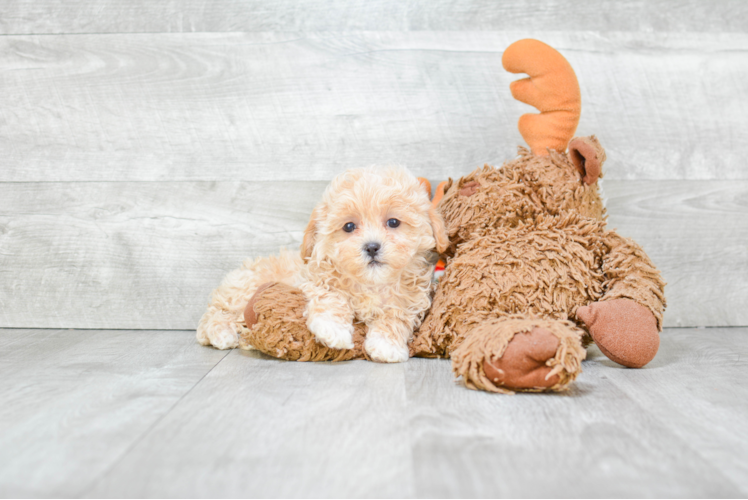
(625, 323)
(520, 354)
(276, 326)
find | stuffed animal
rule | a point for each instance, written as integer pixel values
(532, 274)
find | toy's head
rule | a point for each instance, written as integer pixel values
(546, 181)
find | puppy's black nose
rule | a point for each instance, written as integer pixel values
(372, 248)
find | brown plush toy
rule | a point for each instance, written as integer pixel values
(533, 274)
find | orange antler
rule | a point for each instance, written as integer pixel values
(552, 88)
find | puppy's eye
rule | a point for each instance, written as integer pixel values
(349, 227)
(393, 223)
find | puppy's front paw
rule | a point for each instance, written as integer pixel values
(384, 350)
(333, 334)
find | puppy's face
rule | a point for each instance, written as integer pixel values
(373, 223)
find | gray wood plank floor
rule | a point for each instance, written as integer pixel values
(72, 402)
(153, 414)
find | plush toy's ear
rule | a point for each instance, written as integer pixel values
(310, 233)
(552, 88)
(439, 229)
(588, 156)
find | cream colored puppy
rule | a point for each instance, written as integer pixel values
(364, 257)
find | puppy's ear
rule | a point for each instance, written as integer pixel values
(439, 230)
(310, 233)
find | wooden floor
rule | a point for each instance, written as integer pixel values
(153, 414)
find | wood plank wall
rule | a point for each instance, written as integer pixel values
(148, 147)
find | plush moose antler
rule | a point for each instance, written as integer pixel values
(552, 88)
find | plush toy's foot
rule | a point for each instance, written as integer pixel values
(520, 354)
(523, 365)
(624, 330)
(275, 325)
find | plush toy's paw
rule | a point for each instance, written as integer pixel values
(524, 363)
(520, 354)
(384, 350)
(624, 330)
(330, 332)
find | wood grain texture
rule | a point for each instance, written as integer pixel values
(153, 414)
(130, 255)
(110, 16)
(147, 255)
(708, 410)
(258, 427)
(696, 234)
(609, 436)
(304, 106)
(73, 402)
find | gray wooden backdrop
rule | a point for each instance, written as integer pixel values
(147, 148)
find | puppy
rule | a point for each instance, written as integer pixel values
(365, 256)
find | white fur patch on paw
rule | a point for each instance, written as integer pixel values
(224, 338)
(333, 334)
(383, 350)
(202, 336)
